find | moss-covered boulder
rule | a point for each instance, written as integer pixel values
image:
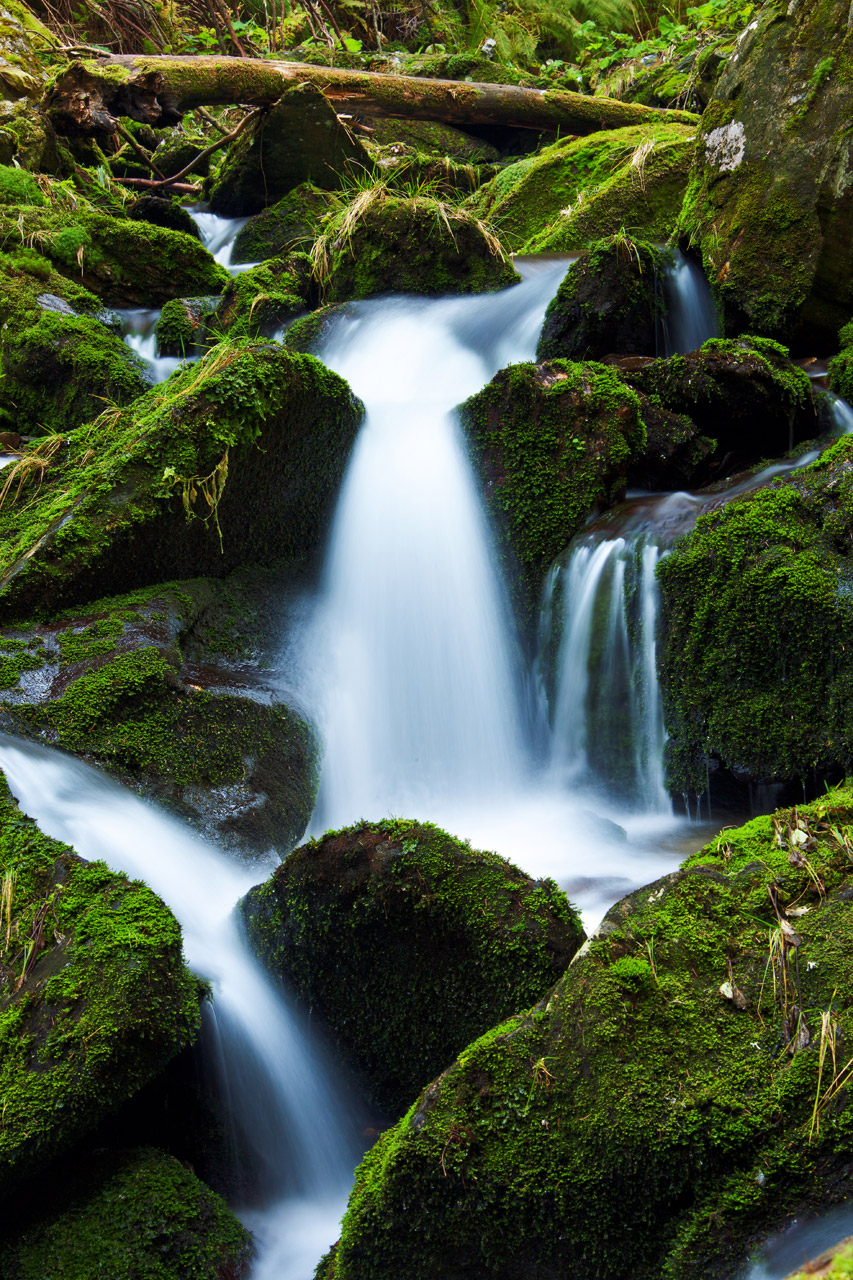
(292, 223)
(126, 263)
(129, 1214)
(183, 326)
(771, 195)
(299, 140)
(383, 243)
(19, 187)
(432, 138)
(409, 943)
(27, 138)
(234, 459)
(163, 213)
(610, 300)
(59, 372)
(24, 41)
(553, 442)
(163, 689)
(840, 369)
(179, 151)
(745, 393)
(94, 995)
(757, 603)
(262, 299)
(661, 1106)
(571, 194)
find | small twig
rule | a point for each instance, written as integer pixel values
(151, 184)
(202, 155)
(211, 119)
(139, 150)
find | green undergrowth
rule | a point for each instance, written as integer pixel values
(672, 1098)
(95, 997)
(408, 942)
(757, 608)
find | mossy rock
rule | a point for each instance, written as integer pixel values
(234, 459)
(182, 327)
(743, 392)
(163, 689)
(840, 369)
(180, 151)
(126, 263)
(292, 223)
(18, 187)
(618, 1127)
(410, 245)
(771, 197)
(553, 442)
(129, 1214)
(757, 606)
(432, 138)
(307, 334)
(409, 943)
(572, 194)
(163, 213)
(58, 373)
(29, 139)
(832, 1264)
(95, 995)
(610, 300)
(262, 299)
(24, 41)
(299, 140)
(29, 283)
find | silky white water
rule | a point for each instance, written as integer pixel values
(691, 317)
(285, 1101)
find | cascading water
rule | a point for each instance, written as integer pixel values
(691, 317)
(285, 1102)
(790, 1250)
(218, 235)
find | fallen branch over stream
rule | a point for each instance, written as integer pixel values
(89, 96)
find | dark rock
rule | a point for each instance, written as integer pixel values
(163, 213)
(409, 943)
(180, 152)
(292, 223)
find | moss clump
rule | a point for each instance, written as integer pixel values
(618, 1127)
(431, 138)
(183, 324)
(262, 299)
(383, 243)
(233, 459)
(574, 193)
(409, 943)
(27, 276)
(95, 998)
(292, 223)
(611, 300)
(131, 1215)
(757, 609)
(126, 263)
(841, 366)
(163, 213)
(553, 442)
(19, 187)
(150, 687)
(58, 373)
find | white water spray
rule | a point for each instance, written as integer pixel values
(691, 314)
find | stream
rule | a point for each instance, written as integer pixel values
(429, 708)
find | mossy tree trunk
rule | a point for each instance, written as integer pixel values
(88, 96)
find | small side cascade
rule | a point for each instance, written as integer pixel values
(606, 719)
(691, 317)
(218, 235)
(139, 330)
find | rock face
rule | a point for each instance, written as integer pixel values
(611, 300)
(162, 689)
(409, 943)
(553, 442)
(656, 1110)
(236, 459)
(771, 196)
(125, 263)
(57, 373)
(22, 39)
(745, 393)
(388, 243)
(95, 998)
(757, 612)
(574, 193)
(300, 140)
(138, 1213)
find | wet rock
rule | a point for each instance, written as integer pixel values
(553, 442)
(676, 455)
(627, 1115)
(299, 140)
(179, 151)
(166, 691)
(840, 369)
(24, 40)
(182, 328)
(611, 300)
(94, 994)
(771, 199)
(832, 1264)
(409, 943)
(262, 299)
(235, 459)
(163, 213)
(389, 243)
(128, 1213)
(292, 223)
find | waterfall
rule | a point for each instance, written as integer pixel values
(218, 235)
(691, 317)
(286, 1104)
(139, 330)
(803, 1239)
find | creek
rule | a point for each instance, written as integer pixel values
(431, 706)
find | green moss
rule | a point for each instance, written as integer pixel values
(552, 442)
(757, 606)
(409, 943)
(292, 223)
(262, 299)
(594, 1131)
(840, 368)
(183, 324)
(18, 187)
(95, 997)
(59, 372)
(131, 1215)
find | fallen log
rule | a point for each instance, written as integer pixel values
(87, 97)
